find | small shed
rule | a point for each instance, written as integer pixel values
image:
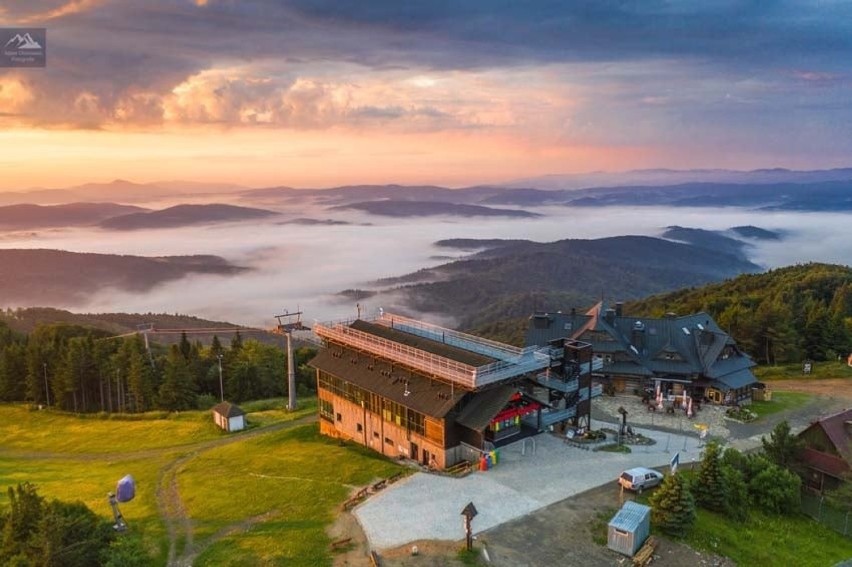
(629, 528)
(229, 417)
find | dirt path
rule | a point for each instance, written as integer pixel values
(172, 510)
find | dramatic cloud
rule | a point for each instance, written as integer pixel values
(727, 81)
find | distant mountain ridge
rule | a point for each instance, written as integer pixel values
(432, 208)
(57, 277)
(184, 215)
(516, 277)
(19, 217)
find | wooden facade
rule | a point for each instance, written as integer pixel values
(378, 394)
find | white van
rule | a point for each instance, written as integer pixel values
(640, 478)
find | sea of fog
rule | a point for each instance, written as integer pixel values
(306, 266)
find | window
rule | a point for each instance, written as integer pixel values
(375, 434)
(359, 427)
(326, 410)
(339, 417)
(388, 441)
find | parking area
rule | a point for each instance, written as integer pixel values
(428, 507)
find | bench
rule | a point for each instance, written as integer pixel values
(645, 553)
(352, 502)
(341, 543)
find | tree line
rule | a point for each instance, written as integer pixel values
(81, 369)
(783, 315)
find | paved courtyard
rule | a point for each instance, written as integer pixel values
(428, 506)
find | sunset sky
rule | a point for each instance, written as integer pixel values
(328, 92)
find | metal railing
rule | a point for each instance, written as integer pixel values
(471, 343)
(554, 383)
(513, 361)
(552, 417)
(432, 364)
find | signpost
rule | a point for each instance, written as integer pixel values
(469, 512)
(674, 463)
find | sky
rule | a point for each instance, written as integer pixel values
(330, 92)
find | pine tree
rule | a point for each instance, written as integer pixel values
(177, 391)
(673, 507)
(709, 487)
(782, 447)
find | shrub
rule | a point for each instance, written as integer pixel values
(737, 501)
(775, 490)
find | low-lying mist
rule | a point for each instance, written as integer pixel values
(305, 266)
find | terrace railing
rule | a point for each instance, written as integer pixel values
(511, 361)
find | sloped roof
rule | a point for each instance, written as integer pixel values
(735, 380)
(484, 406)
(630, 517)
(430, 397)
(835, 466)
(697, 340)
(227, 409)
(838, 427)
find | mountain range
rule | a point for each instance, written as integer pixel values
(57, 277)
(121, 217)
(515, 277)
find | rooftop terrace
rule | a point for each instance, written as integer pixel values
(467, 360)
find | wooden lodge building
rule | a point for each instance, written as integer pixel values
(827, 454)
(640, 353)
(407, 388)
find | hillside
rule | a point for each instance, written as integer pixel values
(57, 277)
(184, 215)
(25, 320)
(23, 217)
(788, 314)
(432, 208)
(515, 278)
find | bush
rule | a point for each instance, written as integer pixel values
(737, 502)
(774, 489)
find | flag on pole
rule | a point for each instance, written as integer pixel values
(674, 463)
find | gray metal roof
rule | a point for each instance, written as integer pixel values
(695, 341)
(735, 380)
(430, 397)
(630, 517)
(484, 406)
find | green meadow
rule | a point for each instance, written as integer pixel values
(261, 496)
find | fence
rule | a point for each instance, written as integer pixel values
(815, 506)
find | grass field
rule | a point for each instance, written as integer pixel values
(770, 540)
(274, 486)
(781, 401)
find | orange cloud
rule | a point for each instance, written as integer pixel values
(66, 9)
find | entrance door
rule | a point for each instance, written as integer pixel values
(415, 451)
(425, 457)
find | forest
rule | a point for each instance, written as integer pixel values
(784, 315)
(81, 369)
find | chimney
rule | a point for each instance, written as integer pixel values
(619, 308)
(609, 316)
(638, 335)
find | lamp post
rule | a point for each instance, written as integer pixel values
(46, 388)
(221, 387)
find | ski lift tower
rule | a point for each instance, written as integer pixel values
(287, 323)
